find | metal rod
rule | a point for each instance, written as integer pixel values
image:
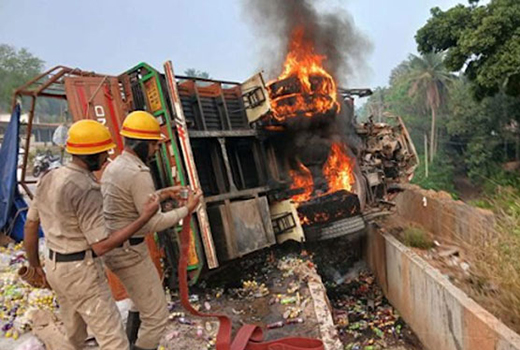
(21, 89)
(28, 142)
(226, 122)
(207, 80)
(27, 190)
(231, 195)
(425, 155)
(50, 82)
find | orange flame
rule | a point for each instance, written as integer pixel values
(338, 169)
(318, 92)
(302, 178)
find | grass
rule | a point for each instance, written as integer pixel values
(496, 262)
(417, 238)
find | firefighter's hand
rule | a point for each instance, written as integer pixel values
(151, 206)
(41, 273)
(193, 201)
(170, 192)
(34, 275)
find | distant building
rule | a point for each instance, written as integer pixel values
(41, 132)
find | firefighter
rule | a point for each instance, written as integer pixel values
(69, 205)
(123, 184)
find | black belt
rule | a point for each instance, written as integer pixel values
(69, 257)
(134, 241)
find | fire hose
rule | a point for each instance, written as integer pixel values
(248, 337)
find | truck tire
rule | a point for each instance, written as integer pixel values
(353, 227)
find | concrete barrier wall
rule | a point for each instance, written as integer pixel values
(442, 316)
(438, 213)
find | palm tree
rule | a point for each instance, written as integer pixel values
(429, 80)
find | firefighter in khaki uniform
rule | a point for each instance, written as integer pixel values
(69, 205)
(124, 183)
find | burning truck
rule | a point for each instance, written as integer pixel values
(276, 161)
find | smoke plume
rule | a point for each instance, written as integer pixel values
(333, 34)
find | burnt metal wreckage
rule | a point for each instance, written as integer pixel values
(223, 137)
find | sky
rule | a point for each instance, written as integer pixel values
(109, 36)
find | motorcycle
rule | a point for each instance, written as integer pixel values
(44, 162)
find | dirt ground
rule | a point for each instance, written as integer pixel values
(269, 289)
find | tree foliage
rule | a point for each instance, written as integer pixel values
(195, 73)
(16, 68)
(429, 80)
(482, 132)
(483, 41)
(474, 137)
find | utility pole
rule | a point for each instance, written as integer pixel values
(425, 155)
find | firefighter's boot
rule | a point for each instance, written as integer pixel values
(132, 326)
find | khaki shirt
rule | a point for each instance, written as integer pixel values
(69, 205)
(126, 185)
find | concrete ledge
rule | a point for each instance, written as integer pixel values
(442, 316)
(453, 221)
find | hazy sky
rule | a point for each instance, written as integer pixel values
(110, 36)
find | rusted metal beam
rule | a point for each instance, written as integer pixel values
(21, 90)
(27, 145)
(46, 95)
(226, 121)
(207, 80)
(27, 190)
(199, 105)
(50, 82)
(231, 195)
(229, 173)
(222, 133)
(187, 152)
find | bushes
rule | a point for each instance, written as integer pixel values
(496, 266)
(417, 238)
(440, 177)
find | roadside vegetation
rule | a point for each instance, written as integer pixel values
(496, 267)
(416, 238)
(460, 99)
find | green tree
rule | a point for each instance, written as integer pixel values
(483, 41)
(396, 100)
(195, 73)
(482, 132)
(16, 68)
(429, 80)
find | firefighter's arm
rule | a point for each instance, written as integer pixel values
(116, 238)
(34, 274)
(30, 242)
(141, 189)
(88, 207)
(30, 235)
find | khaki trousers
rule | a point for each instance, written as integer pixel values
(136, 271)
(85, 300)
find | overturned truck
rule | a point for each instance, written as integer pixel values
(279, 161)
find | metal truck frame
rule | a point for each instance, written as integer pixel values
(216, 141)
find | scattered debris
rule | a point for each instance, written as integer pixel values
(17, 298)
(363, 316)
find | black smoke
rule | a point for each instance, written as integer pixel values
(332, 32)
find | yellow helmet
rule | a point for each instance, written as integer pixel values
(88, 137)
(141, 125)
